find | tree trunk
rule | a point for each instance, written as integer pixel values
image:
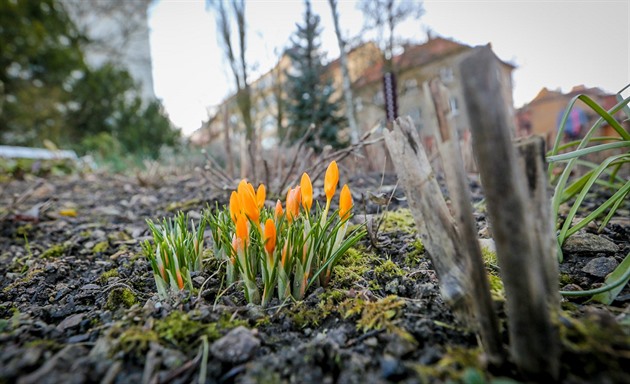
(345, 75)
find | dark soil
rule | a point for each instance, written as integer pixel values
(78, 301)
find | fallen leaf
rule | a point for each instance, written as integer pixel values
(69, 212)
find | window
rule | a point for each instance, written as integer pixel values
(454, 105)
(446, 75)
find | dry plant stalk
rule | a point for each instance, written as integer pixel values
(466, 242)
(533, 338)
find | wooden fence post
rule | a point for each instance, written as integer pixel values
(466, 244)
(533, 339)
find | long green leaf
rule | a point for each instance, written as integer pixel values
(620, 274)
(586, 151)
(578, 202)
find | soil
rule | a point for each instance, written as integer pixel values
(78, 302)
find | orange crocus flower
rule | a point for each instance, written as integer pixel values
(270, 237)
(242, 232)
(293, 204)
(307, 192)
(345, 202)
(180, 280)
(278, 212)
(261, 193)
(235, 206)
(249, 204)
(331, 179)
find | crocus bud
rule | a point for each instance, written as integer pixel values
(307, 192)
(345, 202)
(330, 180)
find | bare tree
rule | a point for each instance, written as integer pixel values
(225, 17)
(345, 75)
(383, 16)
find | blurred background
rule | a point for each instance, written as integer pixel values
(144, 79)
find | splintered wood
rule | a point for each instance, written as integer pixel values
(524, 255)
(515, 187)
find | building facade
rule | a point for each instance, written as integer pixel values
(438, 57)
(119, 34)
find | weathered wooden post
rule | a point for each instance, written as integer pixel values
(467, 243)
(428, 207)
(533, 338)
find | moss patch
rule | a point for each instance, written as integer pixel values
(55, 251)
(399, 220)
(183, 331)
(120, 297)
(377, 315)
(108, 275)
(100, 247)
(388, 269)
(352, 267)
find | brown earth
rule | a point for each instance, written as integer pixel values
(78, 302)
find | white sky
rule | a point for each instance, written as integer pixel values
(555, 44)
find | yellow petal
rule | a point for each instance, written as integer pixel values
(261, 194)
(307, 192)
(249, 204)
(241, 228)
(331, 179)
(235, 206)
(345, 202)
(270, 236)
(278, 213)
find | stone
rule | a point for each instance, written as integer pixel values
(70, 322)
(238, 346)
(600, 266)
(584, 242)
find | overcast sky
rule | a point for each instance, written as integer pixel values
(555, 44)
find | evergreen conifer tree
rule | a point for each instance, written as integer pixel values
(310, 95)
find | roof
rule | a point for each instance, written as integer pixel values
(546, 94)
(414, 56)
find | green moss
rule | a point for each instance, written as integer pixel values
(352, 267)
(489, 258)
(54, 251)
(100, 247)
(136, 341)
(120, 297)
(183, 205)
(46, 344)
(565, 279)
(24, 230)
(412, 258)
(183, 331)
(118, 236)
(388, 269)
(377, 315)
(30, 276)
(399, 220)
(108, 275)
(458, 364)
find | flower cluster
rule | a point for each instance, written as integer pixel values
(288, 247)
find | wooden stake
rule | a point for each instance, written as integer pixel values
(466, 244)
(534, 343)
(428, 207)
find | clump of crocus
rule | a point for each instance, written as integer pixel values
(289, 248)
(175, 252)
